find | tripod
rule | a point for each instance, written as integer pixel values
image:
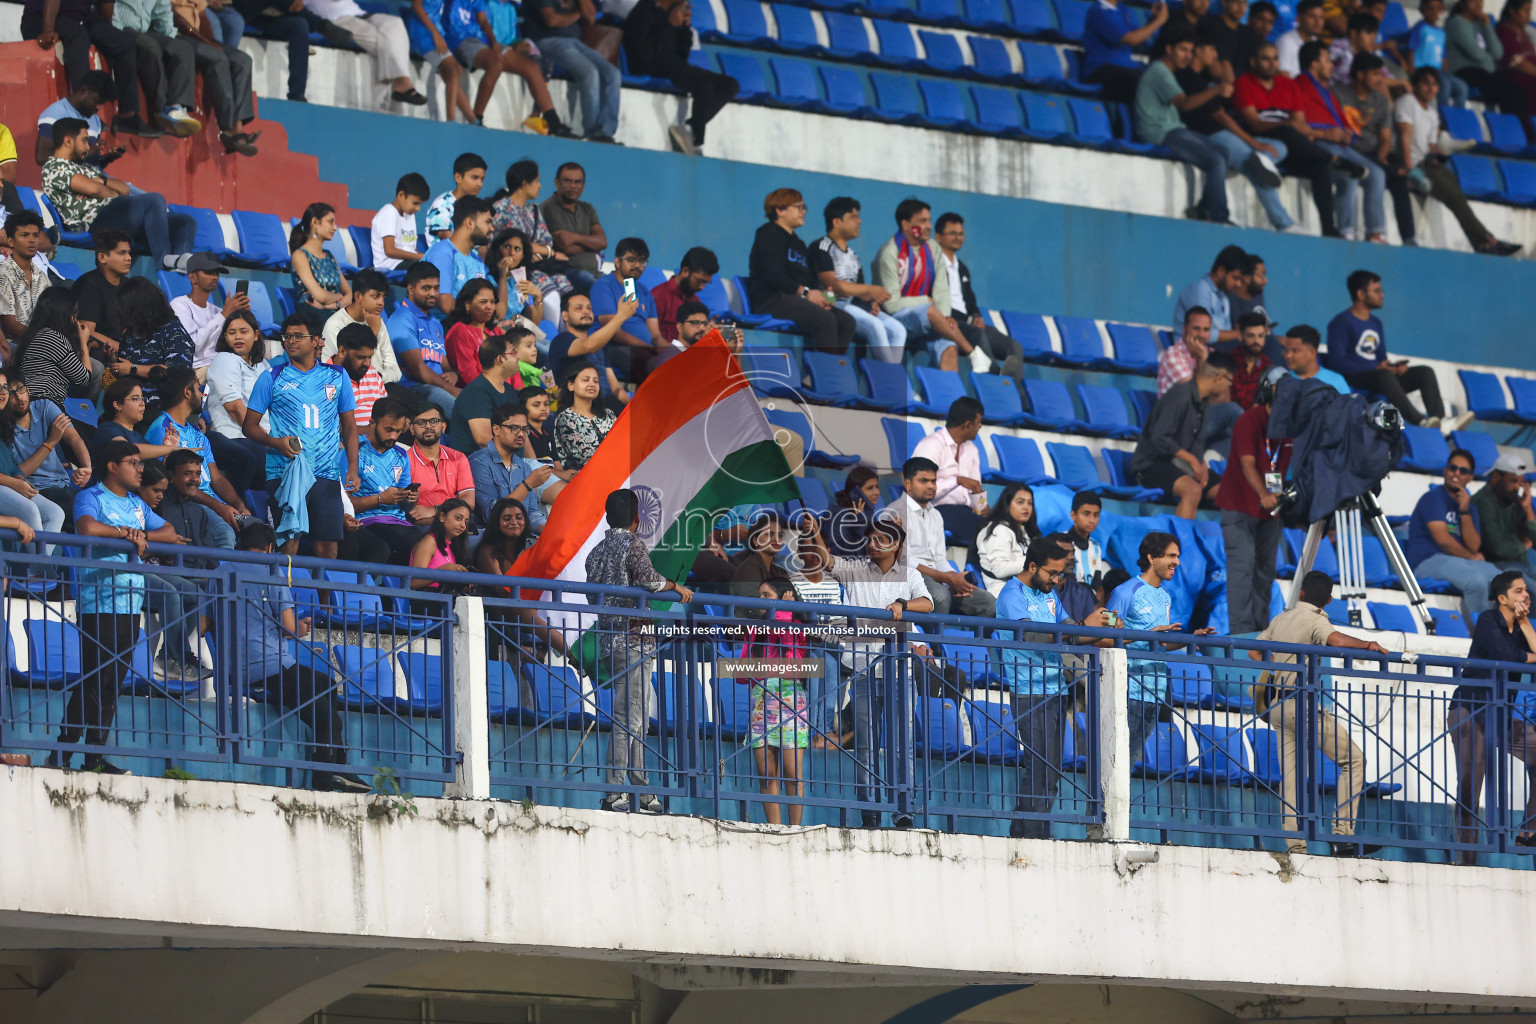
(1349, 543)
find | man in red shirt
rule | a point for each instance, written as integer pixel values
(1249, 500)
(1324, 114)
(1270, 106)
(699, 268)
(1252, 335)
(439, 471)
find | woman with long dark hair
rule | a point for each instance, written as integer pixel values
(153, 338)
(516, 293)
(237, 359)
(1001, 543)
(506, 536)
(516, 206)
(855, 506)
(581, 423)
(53, 355)
(472, 321)
(445, 544)
(317, 278)
(19, 498)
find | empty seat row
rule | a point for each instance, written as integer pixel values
(1499, 181)
(746, 21)
(1485, 397)
(1503, 133)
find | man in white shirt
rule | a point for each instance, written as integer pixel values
(203, 320)
(369, 293)
(1309, 26)
(381, 35)
(961, 500)
(926, 549)
(964, 309)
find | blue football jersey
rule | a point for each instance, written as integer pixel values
(306, 405)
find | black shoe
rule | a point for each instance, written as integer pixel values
(607, 140)
(101, 766)
(1018, 829)
(1194, 213)
(235, 142)
(1494, 247)
(1354, 849)
(410, 96)
(557, 127)
(59, 759)
(902, 821)
(869, 819)
(1353, 170)
(337, 782)
(334, 33)
(133, 124)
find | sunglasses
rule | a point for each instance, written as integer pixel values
(1459, 470)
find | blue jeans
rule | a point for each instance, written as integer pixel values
(174, 605)
(1238, 153)
(433, 393)
(1469, 577)
(147, 221)
(1454, 89)
(914, 319)
(825, 696)
(1375, 191)
(227, 26)
(1211, 158)
(596, 79)
(37, 512)
(871, 688)
(883, 335)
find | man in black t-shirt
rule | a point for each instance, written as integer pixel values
(1235, 41)
(95, 295)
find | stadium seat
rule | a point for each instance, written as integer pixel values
(1485, 396)
(1223, 758)
(999, 397)
(1338, 612)
(1449, 623)
(796, 28)
(368, 677)
(1378, 570)
(1427, 451)
(1505, 133)
(989, 15)
(1072, 19)
(940, 390)
(898, 46)
(1045, 116)
(1135, 348)
(748, 71)
(1519, 181)
(263, 239)
(1478, 176)
(941, 730)
(991, 61)
(1092, 120)
(997, 111)
(362, 246)
(1018, 461)
(845, 91)
(558, 697)
(896, 98)
(1042, 65)
(1104, 411)
(210, 235)
(774, 372)
(1166, 753)
(940, 12)
(847, 36)
(1033, 335)
(173, 284)
(1462, 123)
(813, 495)
(795, 82)
(1142, 401)
(1523, 391)
(1392, 616)
(746, 23)
(1118, 463)
(261, 305)
(68, 271)
(799, 423)
(1074, 466)
(1073, 742)
(901, 436)
(79, 239)
(834, 382)
(942, 53)
(943, 103)
(423, 674)
(53, 654)
(1033, 17)
(762, 322)
(889, 386)
(994, 735)
(1050, 407)
(1081, 343)
(1484, 451)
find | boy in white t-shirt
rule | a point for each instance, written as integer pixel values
(394, 227)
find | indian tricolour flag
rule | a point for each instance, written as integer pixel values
(691, 444)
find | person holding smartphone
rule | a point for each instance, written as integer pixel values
(1508, 524)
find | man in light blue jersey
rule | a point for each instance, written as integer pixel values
(310, 408)
(384, 467)
(179, 426)
(1300, 346)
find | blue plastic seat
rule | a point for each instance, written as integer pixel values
(362, 244)
(896, 98)
(210, 234)
(1074, 466)
(940, 12)
(1050, 406)
(262, 238)
(901, 436)
(991, 59)
(941, 388)
(1046, 116)
(1338, 612)
(886, 9)
(746, 23)
(999, 397)
(423, 674)
(1032, 334)
(897, 44)
(800, 424)
(773, 371)
(1042, 64)
(1164, 755)
(997, 110)
(82, 409)
(1135, 348)
(503, 691)
(1449, 623)
(939, 730)
(796, 28)
(1142, 400)
(813, 494)
(1072, 19)
(1478, 176)
(1484, 451)
(1223, 756)
(795, 83)
(1519, 181)
(834, 382)
(1378, 570)
(1427, 451)
(1504, 133)
(733, 710)
(174, 285)
(1523, 391)
(944, 106)
(943, 52)
(748, 71)
(368, 677)
(53, 654)
(763, 322)
(1033, 18)
(1393, 616)
(1081, 343)
(991, 15)
(1462, 123)
(261, 305)
(1118, 464)
(558, 696)
(994, 735)
(1104, 410)
(1394, 25)
(889, 386)
(1093, 127)
(1190, 684)
(846, 35)
(845, 91)
(1485, 396)
(1018, 461)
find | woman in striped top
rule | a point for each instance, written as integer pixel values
(814, 585)
(52, 356)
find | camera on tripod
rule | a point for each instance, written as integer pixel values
(1384, 416)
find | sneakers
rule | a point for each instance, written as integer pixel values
(619, 802)
(237, 142)
(1262, 170)
(410, 96)
(1353, 170)
(132, 124)
(1377, 239)
(176, 121)
(536, 124)
(339, 782)
(1494, 247)
(607, 140)
(1448, 145)
(176, 261)
(652, 805)
(682, 139)
(101, 766)
(557, 127)
(902, 821)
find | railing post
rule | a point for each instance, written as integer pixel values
(471, 717)
(1114, 746)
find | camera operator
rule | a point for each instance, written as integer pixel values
(1445, 538)
(1249, 500)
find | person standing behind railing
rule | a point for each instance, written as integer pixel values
(1502, 633)
(1307, 623)
(627, 645)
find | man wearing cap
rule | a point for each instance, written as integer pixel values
(203, 320)
(1504, 507)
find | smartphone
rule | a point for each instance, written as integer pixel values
(629, 289)
(242, 286)
(298, 445)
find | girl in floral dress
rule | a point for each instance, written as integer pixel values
(780, 727)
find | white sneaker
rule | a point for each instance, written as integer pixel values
(1432, 422)
(1449, 145)
(617, 803)
(1457, 422)
(177, 121)
(652, 805)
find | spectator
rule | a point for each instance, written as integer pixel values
(1518, 65)
(38, 428)
(1418, 128)
(697, 271)
(1370, 115)
(1250, 501)
(109, 601)
(758, 564)
(392, 237)
(781, 282)
(1209, 293)
(1330, 129)
(203, 321)
(695, 323)
(51, 357)
(1002, 543)
(540, 446)
(1168, 454)
(581, 423)
(1359, 38)
(1308, 28)
(470, 426)
(153, 339)
(1357, 349)
(457, 257)
(96, 292)
(425, 28)
(1252, 363)
(574, 226)
(1109, 37)
(316, 275)
(475, 45)
(1216, 120)
(312, 433)
(1271, 109)
(506, 536)
(658, 35)
(468, 180)
(1245, 294)
(472, 321)
(22, 281)
(813, 584)
(1300, 344)
(906, 266)
(177, 427)
(779, 721)
(1088, 564)
(1427, 48)
(265, 625)
(639, 335)
(443, 548)
(500, 471)
(79, 26)
(579, 343)
(1307, 623)
(517, 296)
(365, 306)
(84, 104)
(852, 511)
(383, 37)
(287, 24)
(440, 473)
(1233, 41)
(839, 271)
(226, 74)
(1445, 539)
(1182, 360)
(1502, 633)
(1504, 510)
(356, 345)
(18, 498)
(555, 26)
(418, 340)
(237, 359)
(164, 61)
(1160, 101)
(1262, 16)
(1004, 353)
(961, 500)
(387, 491)
(518, 208)
(122, 414)
(924, 528)
(177, 602)
(1473, 52)
(88, 200)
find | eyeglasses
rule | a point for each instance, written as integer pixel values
(516, 428)
(696, 322)
(296, 337)
(433, 422)
(5, 389)
(1055, 575)
(638, 261)
(1459, 470)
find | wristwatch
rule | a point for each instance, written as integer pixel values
(903, 602)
